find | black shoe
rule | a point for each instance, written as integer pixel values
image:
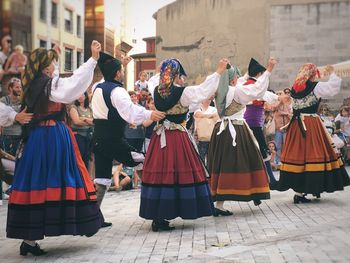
(26, 248)
(257, 202)
(106, 224)
(317, 195)
(161, 226)
(219, 212)
(300, 199)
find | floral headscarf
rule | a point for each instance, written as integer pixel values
(168, 71)
(306, 72)
(38, 60)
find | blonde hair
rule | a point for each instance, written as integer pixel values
(19, 47)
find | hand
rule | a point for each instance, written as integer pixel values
(157, 115)
(271, 64)
(95, 49)
(329, 69)
(57, 49)
(23, 117)
(126, 60)
(222, 65)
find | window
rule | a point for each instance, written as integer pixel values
(54, 14)
(68, 20)
(78, 26)
(79, 59)
(68, 57)
(42, 43)
(43, 10)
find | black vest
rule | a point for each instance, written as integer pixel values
(113, 127)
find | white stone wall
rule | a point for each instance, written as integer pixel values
(318, 33)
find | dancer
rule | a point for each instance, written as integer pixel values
(52, 193)
(237, 170)
(310, 165)
(174, 180)
(254, 114)
(112, 109)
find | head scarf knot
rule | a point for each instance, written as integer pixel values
(38, 60)
(225, 80)
(169, 70)
(306, 72)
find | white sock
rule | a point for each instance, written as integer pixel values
(220, 205)
(30, 242)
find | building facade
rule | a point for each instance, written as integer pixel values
(146, 61)
(293, 31)
(60, 22)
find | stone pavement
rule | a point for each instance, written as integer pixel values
(277, 231)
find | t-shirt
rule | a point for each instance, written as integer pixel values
(140, 85)
(82, 130)
(16, 128)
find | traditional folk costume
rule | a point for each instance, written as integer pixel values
(52, 193)
(254, 116)
(112, 109)
(235, 164)
(174, 180)
(310, 164)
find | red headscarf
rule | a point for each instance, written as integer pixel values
(306, 72)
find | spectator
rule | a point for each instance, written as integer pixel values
(205, 118)
(5, 45)
(11, 135)
(135, 135)
(141, 83)
(144, 95)
(342, 129)
(149, 124)
(282, 117)
(82, 124)
(16, 61)
(121, 178)
(275, 160)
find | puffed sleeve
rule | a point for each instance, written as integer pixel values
(66, 90)
(196, 94)
(328, 88)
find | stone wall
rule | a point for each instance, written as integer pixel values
(200, 32)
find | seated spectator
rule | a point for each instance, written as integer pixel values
(121, 179)
(144, 95)
(11, 135)
(275, 160)
(342, 129)
(16, 62)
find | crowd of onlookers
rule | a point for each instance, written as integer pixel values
(278, 116)
(200, 123)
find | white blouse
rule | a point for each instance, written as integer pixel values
(67, 90)
(328, 88)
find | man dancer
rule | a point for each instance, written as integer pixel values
(112, 109)
(254, 116)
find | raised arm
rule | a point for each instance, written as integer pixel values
(330, 87)
(66, 90)
(246, 93)
(131, 112)
(196, 94)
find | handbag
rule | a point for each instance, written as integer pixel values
(204, 127)
(270, 127)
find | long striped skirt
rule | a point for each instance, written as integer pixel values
(52, 193)
(173, 180)
(310, 164)
(237, 172)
